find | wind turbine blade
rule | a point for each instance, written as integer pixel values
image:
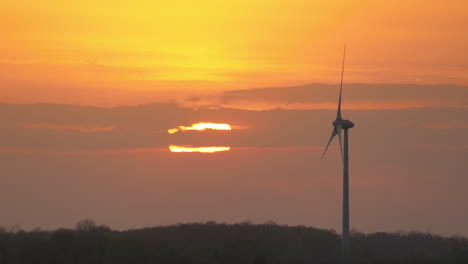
(341, 144)
(334, 133)
(338, 114)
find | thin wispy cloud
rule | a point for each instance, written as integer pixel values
(444, 125)
(82, 129)
(358, 97)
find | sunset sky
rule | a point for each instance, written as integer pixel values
(121, 52)
(90, 89)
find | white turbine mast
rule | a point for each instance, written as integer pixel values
(338, 125)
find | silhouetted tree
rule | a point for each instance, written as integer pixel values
(214, 243)
(3, 245)
(86, 225)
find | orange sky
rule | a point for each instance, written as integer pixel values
(120, 52)
(161, 65)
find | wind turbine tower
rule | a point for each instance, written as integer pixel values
(338, 125)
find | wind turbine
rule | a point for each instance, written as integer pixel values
(338, 125)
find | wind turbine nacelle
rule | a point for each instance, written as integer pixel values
(345, 124)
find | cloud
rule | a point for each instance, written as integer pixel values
(273, 165)
(356, 96)
(82, 129)
(52, 127)
(436, 146)
(444, 125)
(439, 125)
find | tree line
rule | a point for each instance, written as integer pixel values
(220, 243)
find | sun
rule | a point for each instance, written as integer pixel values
(189, 149)
(200, 127)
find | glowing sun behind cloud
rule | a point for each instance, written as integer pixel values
(200, 127)
(175, 148)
